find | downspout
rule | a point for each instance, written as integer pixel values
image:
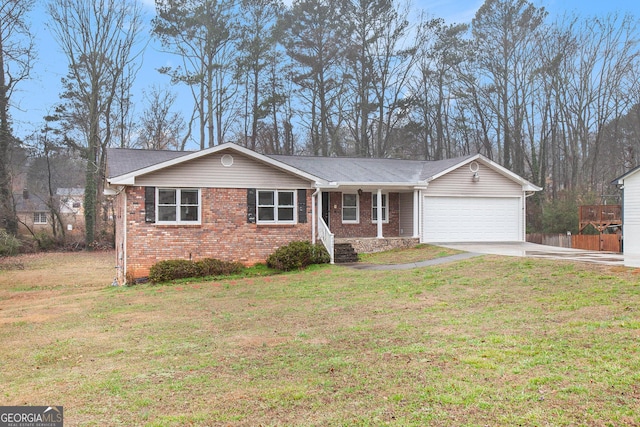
(123, 253)
(420, 211)
(121, 259)
(524, 214)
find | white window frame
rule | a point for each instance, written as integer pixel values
(38, 216)
(178, 206)
(276, 206)
(385, 207)
(357, 207)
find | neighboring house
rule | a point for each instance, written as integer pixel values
(32, 212)
(35, 216)
(231, 203)
(71, 209)
(630, 185)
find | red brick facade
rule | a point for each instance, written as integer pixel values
(365, 227)
(224, 233)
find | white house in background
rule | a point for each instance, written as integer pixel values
(630, 185)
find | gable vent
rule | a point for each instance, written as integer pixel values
(227, 160)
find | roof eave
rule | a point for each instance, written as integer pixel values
(367, 184)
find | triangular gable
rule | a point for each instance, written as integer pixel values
(130, 177)
(526, 185)
(620, 179)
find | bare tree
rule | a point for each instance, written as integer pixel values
(504, 33)
(599, 86)
(99, 39)
(16, 56)
(161, 128)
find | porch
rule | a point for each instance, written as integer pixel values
(366, 220)
(371, 244)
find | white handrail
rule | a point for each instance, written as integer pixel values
(326, 236)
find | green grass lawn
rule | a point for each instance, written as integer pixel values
(494, 341)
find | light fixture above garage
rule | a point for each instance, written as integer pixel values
(474, 167)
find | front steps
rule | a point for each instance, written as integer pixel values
(344, 253)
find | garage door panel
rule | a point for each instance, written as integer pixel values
(460, 219)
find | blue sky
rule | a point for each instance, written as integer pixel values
(36, 97)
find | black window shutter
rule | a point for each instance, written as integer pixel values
(302, 206)
(251, 205)
(150, 204)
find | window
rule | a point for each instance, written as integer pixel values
(39, 217)
(350, 213)
(276, 206)
(178, 206)
(374, 208)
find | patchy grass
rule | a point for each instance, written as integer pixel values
(417, 253)
(486, 341)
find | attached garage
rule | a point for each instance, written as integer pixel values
(474, 202)
(472, 219)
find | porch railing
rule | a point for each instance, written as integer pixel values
(326, 236)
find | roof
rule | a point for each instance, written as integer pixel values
(33, 203)
(349, 170)
(125, 164)
(122, 161)
(620, 179)
(70, 192)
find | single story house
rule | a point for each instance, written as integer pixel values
(630, 185)
(231, 203)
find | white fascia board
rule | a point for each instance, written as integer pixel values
(620, 180)
(369, 185)
(130, 178)
(526, 185)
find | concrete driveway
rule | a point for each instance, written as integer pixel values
(526, 249)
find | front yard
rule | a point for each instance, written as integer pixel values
(486, 341)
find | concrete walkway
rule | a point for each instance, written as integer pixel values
(527, 249)
(518, 249)
(427, 263)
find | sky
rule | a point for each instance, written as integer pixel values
(36, 97)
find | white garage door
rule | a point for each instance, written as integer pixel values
(467, 219)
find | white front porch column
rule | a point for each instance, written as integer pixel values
(379, 208)
(319, 210)
(314, 223)
(416, 213)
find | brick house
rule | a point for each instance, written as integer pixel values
(231, 203)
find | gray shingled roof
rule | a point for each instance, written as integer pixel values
(121, 161)
(359, 170)
(343, 170)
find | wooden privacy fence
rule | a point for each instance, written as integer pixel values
(602, 242)
(560, 240)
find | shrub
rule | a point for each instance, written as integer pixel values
(298, 255)
(165, 271)
(45, 241)
(9, 244)
(172, 269)
(216, 267)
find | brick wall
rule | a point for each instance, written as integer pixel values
(365, 228)
(223, 234)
